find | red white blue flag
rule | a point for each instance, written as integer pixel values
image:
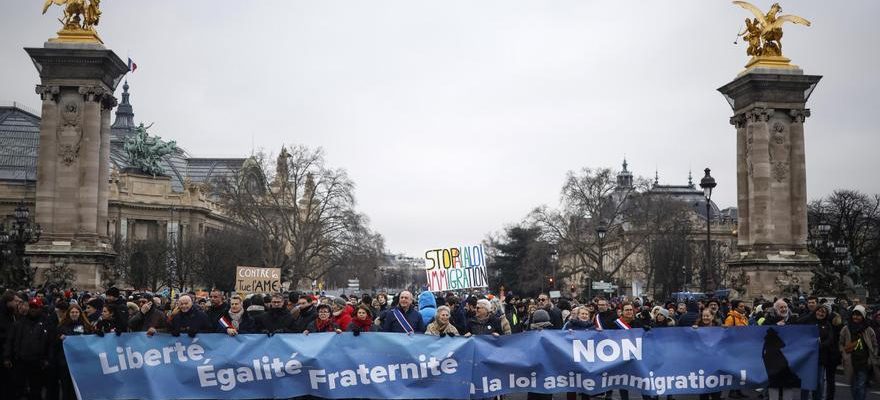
(132, 65)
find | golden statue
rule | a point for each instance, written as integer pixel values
(78, 23)
(764, 35)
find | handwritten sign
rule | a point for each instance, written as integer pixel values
(257, 280)
(452, 268)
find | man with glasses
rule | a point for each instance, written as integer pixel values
(275, 320)
(605, 315)
(555, 313)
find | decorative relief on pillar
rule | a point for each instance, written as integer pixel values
(738, 120)
(799, 116)
(108, 102)
(779, 151)
(92, 93)
(759, 114)
(48, 92)
(69, 131)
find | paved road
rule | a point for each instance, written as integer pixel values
(842, 393)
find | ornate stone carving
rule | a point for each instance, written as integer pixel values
(759, 114)
(738, 120)
(92, 93)
(69, 132)
(799, 116)
(108, 102)
(48, 92)
(780, 171)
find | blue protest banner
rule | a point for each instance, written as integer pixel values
(384, 365)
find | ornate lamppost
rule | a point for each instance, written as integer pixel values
(16, 232)
(708, 183)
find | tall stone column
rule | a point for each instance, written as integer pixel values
(769, 106)
(77, 81)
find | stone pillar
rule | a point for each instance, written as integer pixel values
(769, 108)
(77, 81)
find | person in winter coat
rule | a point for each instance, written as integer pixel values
(780, 315)
(149, 318)
(662, 319)
(107, 323)
(341, 313)
(858, 347)
(691, 315)
(236, 320)
(323, 323)
(120, 309)
(829, 354)
(737, 315)
(427, 306)
(707, 319)
(189, 319)
(93, 310)
(362, 321)
(484, 322)
(457, 314)
(276, 319)
(9, 305)
(605, 315)
(554, 312)
(73, 323)
(442, 325)
(412, 323)
(582, 320)
(304, 313)
(28, 347)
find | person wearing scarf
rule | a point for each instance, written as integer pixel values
(441, 325)
(236, 320)
(362, 321)
(323, 323)
(858, 346)
(781, 314)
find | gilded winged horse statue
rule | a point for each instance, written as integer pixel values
(78, 14)
(764, 32)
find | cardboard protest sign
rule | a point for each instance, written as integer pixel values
(452, 268)
(257, 280)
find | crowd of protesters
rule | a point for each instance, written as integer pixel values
(34, 324)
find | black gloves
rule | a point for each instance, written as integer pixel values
(192, 332)
(118, 333)
(450, 334)
(647, 328)
(100, 333)
(356, 330)
(442, 334)
(175, 333)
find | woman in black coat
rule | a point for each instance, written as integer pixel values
(73, 323)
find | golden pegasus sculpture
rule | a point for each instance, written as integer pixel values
(764, 33)
(79, 20)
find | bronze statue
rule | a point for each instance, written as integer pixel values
(764, 32)
(79, 20)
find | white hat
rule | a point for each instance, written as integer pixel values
(861, 310)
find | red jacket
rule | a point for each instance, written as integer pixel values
(344, 318)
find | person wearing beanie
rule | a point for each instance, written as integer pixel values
(120, 308)
(341, 312)
(540, 320)
(858, 347)
(662, 319)
(427, 306)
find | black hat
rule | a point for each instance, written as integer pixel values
(113, 291)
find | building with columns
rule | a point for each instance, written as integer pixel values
(179, 203)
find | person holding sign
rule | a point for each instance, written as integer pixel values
(404, 318)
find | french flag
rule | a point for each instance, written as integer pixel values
(226, 323)
(132, 66)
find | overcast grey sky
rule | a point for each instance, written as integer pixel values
(457, 117)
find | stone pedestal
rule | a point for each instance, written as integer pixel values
(769, 114)
(77, 82)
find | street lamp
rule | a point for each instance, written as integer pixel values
(16, 233)
(708, 183)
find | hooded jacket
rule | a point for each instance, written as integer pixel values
(427, 306)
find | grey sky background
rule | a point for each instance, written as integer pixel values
(457, 117)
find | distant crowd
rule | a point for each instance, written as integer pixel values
(34, 324)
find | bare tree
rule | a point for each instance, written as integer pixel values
(303, 211)
(591, 198)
